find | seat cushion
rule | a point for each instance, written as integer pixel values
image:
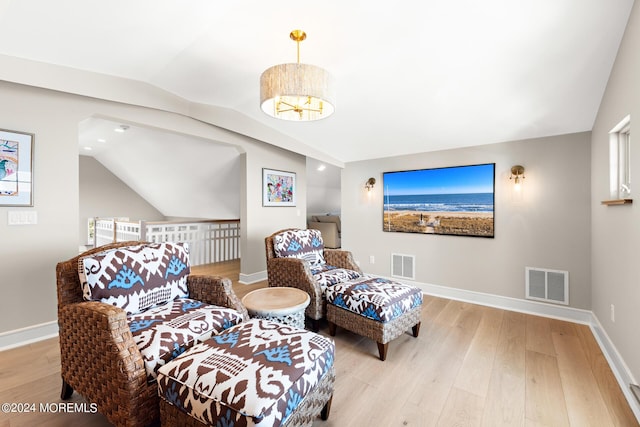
(301, 244)
(377, 298)
(328, 275)
(260, 369)
(164, 332)
(136, 278)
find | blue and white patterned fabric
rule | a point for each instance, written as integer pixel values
(301, 244)
(328, 275)
(136, 278)
(162, 333)
(377, 298)
(253, 374)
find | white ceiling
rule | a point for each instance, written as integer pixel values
(161, 168)
(411, 76)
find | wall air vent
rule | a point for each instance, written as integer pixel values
(547, 285)
(403, 266)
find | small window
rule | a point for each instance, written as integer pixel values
(620, 160)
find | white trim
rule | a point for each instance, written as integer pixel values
(507, 303)
(28, 335)
(621, 371)
(617, 364)
(248, 279)
(619, 168)
(623, 126)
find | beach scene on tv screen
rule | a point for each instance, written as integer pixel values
(453, 200)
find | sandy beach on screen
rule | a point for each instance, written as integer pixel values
(459, 223)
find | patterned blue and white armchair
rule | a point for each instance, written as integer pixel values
(126, 309)
(297, 258)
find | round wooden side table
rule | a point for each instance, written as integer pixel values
(280, 304)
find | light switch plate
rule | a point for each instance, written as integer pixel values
(22, 217)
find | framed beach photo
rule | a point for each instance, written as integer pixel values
(16, 168)
(452, 200)
(278, 188)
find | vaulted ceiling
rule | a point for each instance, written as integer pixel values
(411, 76)
(161, 167)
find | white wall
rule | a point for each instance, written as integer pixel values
(161, 168)
(258, 221)
(323, 200)
(263, 221)
(102, 194)
(323, 188)
(616, 229)
(548, 228)
(28, 254)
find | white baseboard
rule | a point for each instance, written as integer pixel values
(616, 362)
(28, 335)
(618, 366)
(248, 279)
(507, 303)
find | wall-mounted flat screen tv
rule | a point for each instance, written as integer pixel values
(451, 200)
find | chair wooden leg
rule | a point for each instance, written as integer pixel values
(382, 350)
(66, 391)
(315, 324)
(324, 415)
(416, 329)
(332, 329)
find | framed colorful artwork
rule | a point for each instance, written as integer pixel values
(16, 168)
(278, 188)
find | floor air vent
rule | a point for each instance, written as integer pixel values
(403, 266)
(547, 285)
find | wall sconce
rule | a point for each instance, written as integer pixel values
(517, 174)
(370, 183)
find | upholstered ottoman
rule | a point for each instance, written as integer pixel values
(257, 373)
(374, 307)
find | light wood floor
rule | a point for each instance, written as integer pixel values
(470, 366)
